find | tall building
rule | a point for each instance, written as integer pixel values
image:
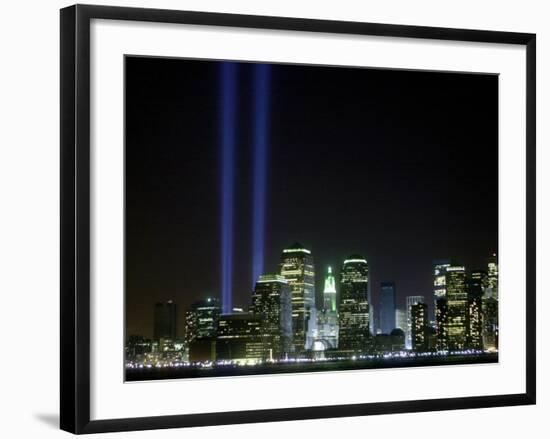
(329, 292)
(387, 307)
(327, 319)
(441, 313)
(477, 284)
(439, 271)
(354, 306)
(490, 323)
(201, 320)
(490, 307)
(410, 301)
(419, 326)
(165, 321)
(239, 338)
(457, 307)
(492, 278)
(297, 268)
(271, 304)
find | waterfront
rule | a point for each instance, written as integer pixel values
(159, 373)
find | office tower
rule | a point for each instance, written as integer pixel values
(478, 281)
(441, 312)
(201, 320)
(477, 284)
(354, 306)
(490, 307)
(239, 338)
(327, 319)
(489, 312)
(410, 301)
(401, 319)
(419, 326)
(272, 305)
(165, 321)
(439, 270)
(492, 277)
(297, 268)
(387, 307)
(329, 292)
(457, 307)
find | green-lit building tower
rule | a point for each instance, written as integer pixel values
(327, 320)
(329, 292)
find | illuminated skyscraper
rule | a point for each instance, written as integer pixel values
(492, 278)
(419, 327)
(410, 302)
(201, 320)
(165, 320)
(387, 307)
(490, 307)
(354, 306)
(457, 307)
(439, 270)
(329, 292)
(441, 312)
(297, 268)
(490, 323)
(271, 303)
(327, 319)
(477, 284)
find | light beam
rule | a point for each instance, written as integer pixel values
(262, 76)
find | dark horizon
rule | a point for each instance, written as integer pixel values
(398, 166)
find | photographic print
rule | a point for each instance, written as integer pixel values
(289, 218)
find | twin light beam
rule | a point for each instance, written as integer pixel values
(260, 126)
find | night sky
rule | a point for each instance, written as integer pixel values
(397, 166)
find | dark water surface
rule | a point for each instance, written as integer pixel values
(322, 366)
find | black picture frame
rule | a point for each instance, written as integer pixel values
(75, 217)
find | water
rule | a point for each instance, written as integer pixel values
(320, 366)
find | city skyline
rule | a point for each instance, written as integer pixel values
(282, 329)
(400, 302)
(332, 282)
(229, 162)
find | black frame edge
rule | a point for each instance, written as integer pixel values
(302, 24)
(303, 413)
(531, 225)
(75, 218)
(68, 388)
